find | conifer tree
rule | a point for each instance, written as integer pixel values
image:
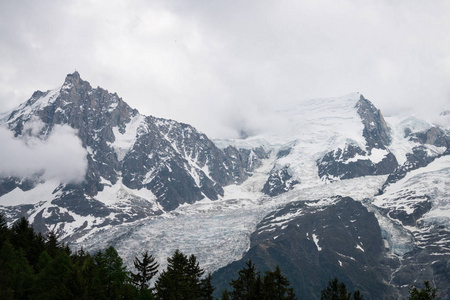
(4, 231)
(247, 285)
(206, 288)
(90, 279)
(16, 273)
(225, 295)
(146, 268)
(428, 293)
(182, 279)
(43, 261)
(276, 286)
(112, 273)
(22, 235)
(51, 280)
(83, 282)
(52, 245)
(336, 290)
(251, 286)
(357, 295)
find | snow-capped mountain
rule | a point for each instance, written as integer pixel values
(137, 166)
(335, 189)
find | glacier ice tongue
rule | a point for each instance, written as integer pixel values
(217, 232)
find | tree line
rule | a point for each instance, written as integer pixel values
(33, 266)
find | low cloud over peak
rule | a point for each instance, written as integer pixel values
(59, 155)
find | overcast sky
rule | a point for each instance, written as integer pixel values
(223, 65)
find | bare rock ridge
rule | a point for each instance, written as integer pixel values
(376, 131)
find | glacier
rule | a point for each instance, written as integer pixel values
(217, 232)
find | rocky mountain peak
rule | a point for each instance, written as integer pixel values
(136, 165)
(74, 82)
(376, 131)
(73, 78)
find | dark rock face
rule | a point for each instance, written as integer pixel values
(376, 131)
(417, 159)
(280, 181)
(419, 209)
(434, 136)
(423, 154)
(352, 161)
(172, 160)
(344, 164)
(424, 263)
(7, 184)
(428, 258)
(313, 242)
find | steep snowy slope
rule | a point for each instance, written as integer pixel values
(324, 140)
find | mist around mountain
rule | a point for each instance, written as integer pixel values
(337, 191)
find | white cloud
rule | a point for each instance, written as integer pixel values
(209, 62)
(58, 156)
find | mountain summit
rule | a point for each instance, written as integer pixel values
(137, 165)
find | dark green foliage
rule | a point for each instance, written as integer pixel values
(4, 232)
(112, 273)
(225, 295)
(53, 247)
(357, 295)
(15, 272)
(84, 282)
(23, 236)
(183, 279)
(52, 279)
(338, 291)
(207, 289)
(428, 293)
(146, 270)
(34, 267)
(43, 261)
(6, 252)
(335, 291)
(249, 285)
(276, 286)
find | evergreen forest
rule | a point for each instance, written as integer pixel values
(33, 266)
